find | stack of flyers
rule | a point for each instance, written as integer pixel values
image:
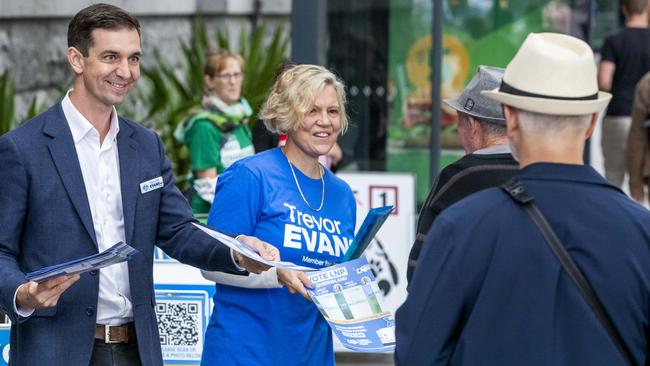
(118, 253)
(348, 297)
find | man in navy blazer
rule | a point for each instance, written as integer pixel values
(488, 289)
(75, 180)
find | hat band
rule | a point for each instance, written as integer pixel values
(507, 88)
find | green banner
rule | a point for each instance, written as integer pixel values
(475, 32)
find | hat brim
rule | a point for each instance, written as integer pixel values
(551, 106)
(453, 103)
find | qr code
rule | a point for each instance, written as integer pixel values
(179, 323)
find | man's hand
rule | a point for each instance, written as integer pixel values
(33, 295)
(265, 250)
(295, 282)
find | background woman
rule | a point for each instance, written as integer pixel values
(218, 135)
(285, 197)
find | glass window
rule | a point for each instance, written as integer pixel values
(382, 50)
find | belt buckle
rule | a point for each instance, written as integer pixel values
(107, 335)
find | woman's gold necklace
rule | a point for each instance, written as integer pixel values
(322, 181)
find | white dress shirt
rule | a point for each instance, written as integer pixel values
(101, 174)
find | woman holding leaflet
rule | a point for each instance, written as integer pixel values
(283, 196)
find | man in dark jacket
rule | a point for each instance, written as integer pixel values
(488, 162)
(488, 289)
(77, 179)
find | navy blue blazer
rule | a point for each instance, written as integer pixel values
(488, 290)
(45, 219)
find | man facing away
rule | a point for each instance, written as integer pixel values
(625, 59)
(74, 181)
(488, 163)
(488, 289)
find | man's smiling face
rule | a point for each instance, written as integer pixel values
(112, 66)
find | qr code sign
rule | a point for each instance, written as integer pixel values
(180, 324)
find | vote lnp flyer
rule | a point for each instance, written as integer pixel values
(348, 297)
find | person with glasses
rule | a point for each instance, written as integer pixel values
(218, 135)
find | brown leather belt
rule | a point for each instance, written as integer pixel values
(115, 333)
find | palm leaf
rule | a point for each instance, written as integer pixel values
(223, 42)
(6, 102)
(170, 94)
(34, 109)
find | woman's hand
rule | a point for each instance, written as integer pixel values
(295, 282)
(264, 249)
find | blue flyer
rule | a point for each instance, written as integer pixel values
(369, 228)
(118, 253)
(348, 297)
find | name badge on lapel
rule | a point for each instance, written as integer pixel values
(151, 185)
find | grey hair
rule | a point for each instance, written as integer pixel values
(493, 129)
(551, 124)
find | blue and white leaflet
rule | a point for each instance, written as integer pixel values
(348, 297)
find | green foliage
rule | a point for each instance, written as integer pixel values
(33, 110)
(261, 61)
(170, 95)
(8, 119)
(6, 102)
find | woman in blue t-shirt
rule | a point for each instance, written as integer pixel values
(285, 197)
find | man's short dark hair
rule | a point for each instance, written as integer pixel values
(97, 16)
(635, 6)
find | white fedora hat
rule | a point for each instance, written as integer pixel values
(552, 74)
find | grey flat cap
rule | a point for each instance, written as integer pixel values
(476, 105)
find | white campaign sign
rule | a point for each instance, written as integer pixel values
(388, 252)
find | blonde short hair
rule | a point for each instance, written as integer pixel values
(293, 95)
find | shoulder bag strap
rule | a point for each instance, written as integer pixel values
(516, 191)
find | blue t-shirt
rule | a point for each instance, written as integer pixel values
(258, 196)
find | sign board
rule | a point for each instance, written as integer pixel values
(5, 329)
(183, 315)
(183, 308)
(388, 252)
